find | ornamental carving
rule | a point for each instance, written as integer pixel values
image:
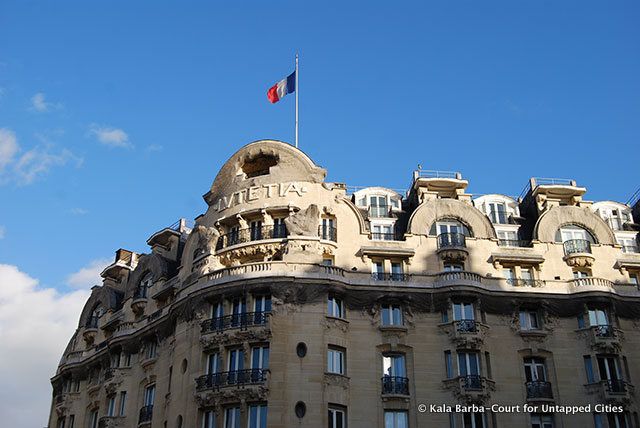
(331, 379)
(453, 255)
(463, 337)
(304, 222)
(224, 396)
(251, 252)
(579, 261)
(470, 396)
(234, 337)
(335, 323)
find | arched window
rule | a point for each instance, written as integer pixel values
(143, 286)
(571, 232)
(96, 313)
(449, 226)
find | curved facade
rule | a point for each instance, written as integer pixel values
(294, 302)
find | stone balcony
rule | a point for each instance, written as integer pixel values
(219, 389)
(467, 334)
(614, 391)
(470, 389)
(233, 329)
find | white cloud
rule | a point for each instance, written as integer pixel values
(112, 137)
(36, 324)
(30, 165)
(89, 275)
(78, 211)
(154, 148)
(40, 104)
(2, 232)
(8, 147)
(39, 160)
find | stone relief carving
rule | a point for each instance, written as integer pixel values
(212, 398)
(234, 337)
(304, 222)
(340, 381)
(335, 323)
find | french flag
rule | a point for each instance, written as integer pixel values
(282, 88)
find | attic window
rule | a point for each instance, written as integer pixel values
(259, 165)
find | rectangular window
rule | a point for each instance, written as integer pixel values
(395, 419)
(327, 261)
(397, 273)
(76, 385)
(72, 421)
(214, 363)
(238, 312)
(633, 278)
(111, 406)
(529, 320)
(256, 230)
(453, 267)
(487, 359)
(580, 321)
(618, 420)
(93, 419)
(468, 364)
(608, 368)
(507, 238)
(448, 364)
(337, 417)
(534, 369)
(60, 423)
(597, 420)
(235, 363)
(149, 395)
(598, 317)
(123, 403)
(335, 361)
(259, 362)
(588, 367)
(257, 416)
(152, 349)
(232, 417)
(279, 228)
(335, 307)
(526, 274)
(473, 420)
(394, 365)
(463, 311)
(391, 315)
(209, 419)
(378, 270)
(497, 212)
(541, 420)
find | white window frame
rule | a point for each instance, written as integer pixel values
(232, 417)
(335, 307)
(527, 315)
(396, 416)
(335, 415)
(392, 310)
(335, 361)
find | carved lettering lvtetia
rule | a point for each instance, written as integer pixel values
(254, 193)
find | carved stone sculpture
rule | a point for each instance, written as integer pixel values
(304, 222)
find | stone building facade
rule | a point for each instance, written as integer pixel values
(293, 302)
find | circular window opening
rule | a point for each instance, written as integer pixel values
(184, 365)
(300, 409)
(301, 350)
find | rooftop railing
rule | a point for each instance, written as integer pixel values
(425, 173)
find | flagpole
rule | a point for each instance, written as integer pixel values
(297, 90)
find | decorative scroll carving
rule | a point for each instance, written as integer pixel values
(213, 398)
(331, 379)
(304, 222)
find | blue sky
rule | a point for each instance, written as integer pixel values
(124, 111)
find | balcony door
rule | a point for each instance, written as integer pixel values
(468, 364)
(598, 317)
(608, 368)
(238, 312)
(149, 395)
(463, 311)
(379, 207)
(451, 227)
(214, 363)
(534, 369)
(256, 230)
(235, 363)
(259, 362)
(394, 366)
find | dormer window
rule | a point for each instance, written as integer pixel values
(497, 212)
(378, 206)
(143, 286)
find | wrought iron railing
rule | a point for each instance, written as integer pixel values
(384, 236)
(395, 385)
(241, 236)
(573, 246)
(471, 382)
(616, 386)
(385, 276)
(231, 378)
(605, 331)
(525, 282)
(451, 240)
(241, 321)
(146, 413)
(330, 233)
(539, 389)
(466, 326)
